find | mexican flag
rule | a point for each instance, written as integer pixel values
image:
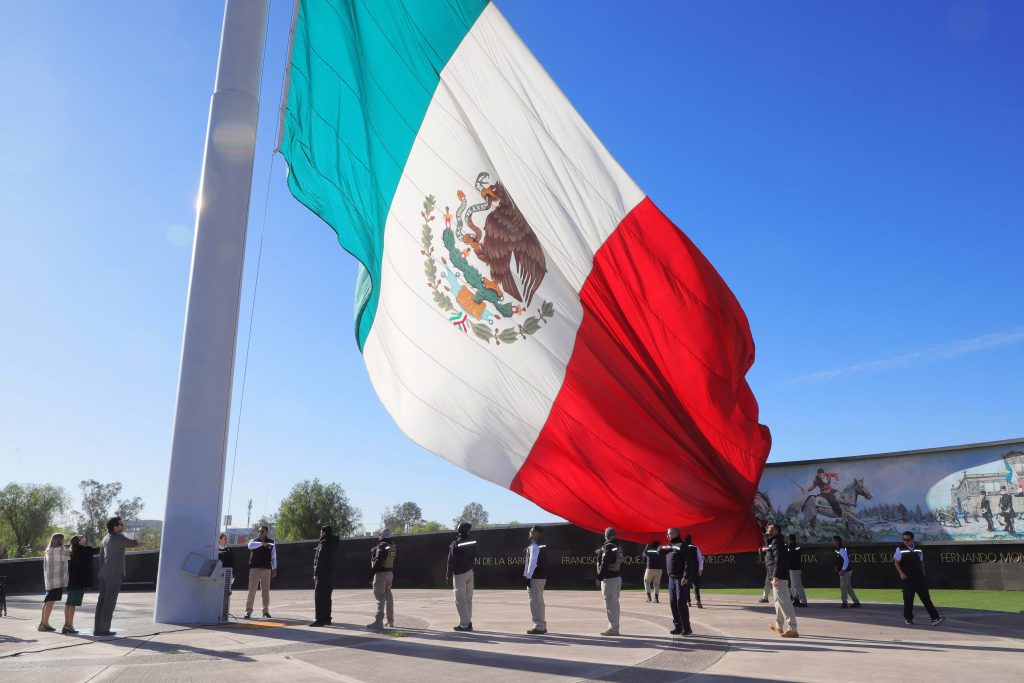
(524, 310)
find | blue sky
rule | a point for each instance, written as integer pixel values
(853, 171)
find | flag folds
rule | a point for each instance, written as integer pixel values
(524, 310)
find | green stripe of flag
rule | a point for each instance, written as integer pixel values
(361, 76)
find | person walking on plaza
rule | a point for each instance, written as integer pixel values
(796, 583)
(777, 560)
(227, 560)
(609, 564)
(323, 576)
(909, 561)
(696, 569)
(79, 579)
(461, 556)
(652, 570)
(679, 567)
(382, 577)
(262, 568)
(55, 577)
(536, 575)
(111, 574)
(767, 590)
(845, 573)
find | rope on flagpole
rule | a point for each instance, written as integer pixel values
(259, 261)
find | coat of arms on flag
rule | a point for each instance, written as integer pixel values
(472, 277)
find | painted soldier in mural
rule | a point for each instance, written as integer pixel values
(823, 482)
(986, 510)
(1006, 510)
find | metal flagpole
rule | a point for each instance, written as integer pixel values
(195, 487)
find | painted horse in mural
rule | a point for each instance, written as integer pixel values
(814, 506)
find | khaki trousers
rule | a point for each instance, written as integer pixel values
(537, 603)
(846, 586)
(258, 577)
(652, 581)
(463, 586)
(785, 613)
(767, 587)
(610, 589)
(796, 585)
(382, 591)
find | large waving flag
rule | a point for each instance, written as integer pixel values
(524, 310)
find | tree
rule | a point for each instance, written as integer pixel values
(427, 528)
(97, 499)
(473, 513)
(129, 510)
(402, 517)
(28, 511)
(311, 505)
(149, 538)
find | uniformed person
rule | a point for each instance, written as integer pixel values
(535, 573)
(323, 576)
(679, 568)
(696, 569)
(461, 555)
(796, 582)
(909, 561)
(652, 570)
(842, 568)
(609, 564)
(777, 560)
(382, 576)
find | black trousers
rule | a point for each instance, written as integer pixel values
(678, 597)
(322, 590)
(912, 586)
(695, 583)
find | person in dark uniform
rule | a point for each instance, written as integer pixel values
(909, 561)
(696, 569)
(796, 582)
(382, 577)
(986, 511)
(227, 560)
(609, 564)
(323, 576)
(1006, 510)
(535, 573)
(777, 560)
(678, 565)
(652, 569)
(461, 556)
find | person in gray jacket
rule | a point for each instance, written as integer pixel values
(111, 574)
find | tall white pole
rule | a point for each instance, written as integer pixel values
(195, 487)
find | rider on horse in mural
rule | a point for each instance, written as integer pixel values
(823, 482)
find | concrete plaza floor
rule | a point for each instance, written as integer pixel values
(732, 642)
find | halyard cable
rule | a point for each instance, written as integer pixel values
(259, 260)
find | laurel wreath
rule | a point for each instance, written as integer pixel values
(500, 335)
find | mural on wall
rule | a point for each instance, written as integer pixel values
(962, 494)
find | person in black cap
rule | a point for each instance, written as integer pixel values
(679, 569)
(909, 561)
(461, 555)
(382, 576)
(535, 573)
(323, 575)
(609, 564)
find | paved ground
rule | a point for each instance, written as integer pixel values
(732, 643)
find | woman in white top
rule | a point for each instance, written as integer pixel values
(55, 576)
